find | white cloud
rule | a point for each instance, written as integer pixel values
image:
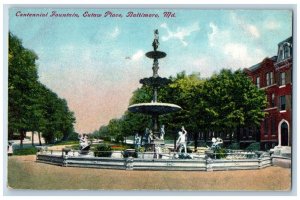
(232, 53)
(217, 37)
(164, 25)
(250, 29)
(213, 34)
(115, 33)
(181, 32)
(240, 56)
(109, 34)
(138, 55)
(236, 51)
(272, 25)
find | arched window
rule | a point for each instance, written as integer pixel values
(286, 51)
(281, 53)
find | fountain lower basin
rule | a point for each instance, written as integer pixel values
(146, 162)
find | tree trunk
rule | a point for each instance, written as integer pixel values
(32, 138)
(196, 141)
(21, 139)
(238, 134)
(39, 134)
(10, 134)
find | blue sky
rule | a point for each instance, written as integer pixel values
(83, 59)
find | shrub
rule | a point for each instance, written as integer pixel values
(202, 144)
(26, 151)
(102, 150)
(220, 153)
(75, 147)
(106, 138)
(253, 147)
(140, 149)
(66, 142)
(184, 156)
(127, 154)
(73, 136)
(234, 146)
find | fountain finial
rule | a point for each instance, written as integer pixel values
(155, 42)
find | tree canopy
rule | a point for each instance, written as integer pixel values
(223, 102)
(231, 100)
(31, 105)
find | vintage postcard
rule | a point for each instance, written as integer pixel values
(162, 99)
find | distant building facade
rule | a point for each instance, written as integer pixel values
(274, 76)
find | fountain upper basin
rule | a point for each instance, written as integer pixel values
(156, 54)
(154, 108)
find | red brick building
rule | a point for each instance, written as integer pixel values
(274, 76)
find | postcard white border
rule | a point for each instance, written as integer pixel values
(137, 4)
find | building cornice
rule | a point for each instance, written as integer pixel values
(283, 63)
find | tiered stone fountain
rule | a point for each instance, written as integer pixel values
(155, 108)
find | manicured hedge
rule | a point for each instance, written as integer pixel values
(102, 150)
(26, 151)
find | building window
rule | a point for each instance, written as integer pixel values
(269, 78)
(266, 128)
(273, 100)
(282, 103)
(282, 78)
(257, 82)
(281, 54)
(273, 126)
(286, 52)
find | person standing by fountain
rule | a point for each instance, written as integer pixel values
(181, 141)
(162, 132)
(137, 140)
(150, 136)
